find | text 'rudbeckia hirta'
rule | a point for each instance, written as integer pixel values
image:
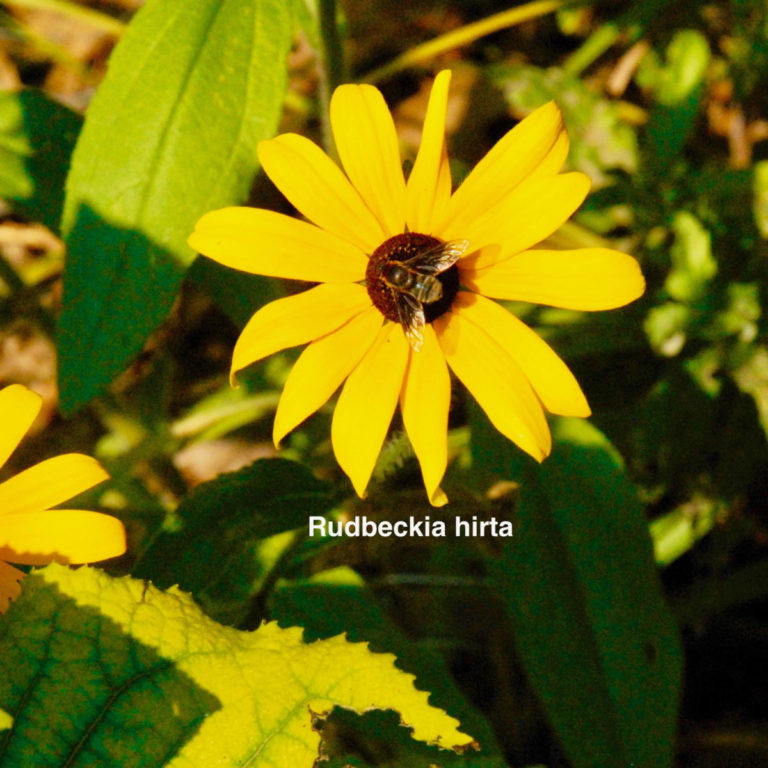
(31, 533)
(405, 269)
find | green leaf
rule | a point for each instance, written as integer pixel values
(666, 327)
(678, 531)
(679, 88)
(760, 191)
(591, 627)
(693, 265)
(688, 56)
(339, 601)
(212, 548)
(600, 139)
(171, 133)
(238, 294)
(37, 137)
(103, 671)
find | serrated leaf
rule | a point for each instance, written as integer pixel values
(103, 671)
(37, 137)
(212, 550)
(339, 601)
(596, 639)
(171, 133)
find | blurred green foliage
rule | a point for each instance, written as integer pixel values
(557, 647)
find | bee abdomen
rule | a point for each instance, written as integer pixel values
(427, 289)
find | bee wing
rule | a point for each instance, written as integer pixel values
(438, 259)
(412, 319)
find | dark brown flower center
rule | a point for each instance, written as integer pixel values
(397, 272)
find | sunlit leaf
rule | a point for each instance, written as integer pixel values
(170, 134)
(212, 549)
(760, 205)
(678, 531)
(158, 683)
(687, 59)
(693, 265)
(339, 601)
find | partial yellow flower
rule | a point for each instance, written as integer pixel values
(405, 269)
(31, 533)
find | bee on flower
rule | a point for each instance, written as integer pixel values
(407, 273)
(31, 533)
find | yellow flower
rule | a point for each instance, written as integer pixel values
(30, 532)
(358, 330)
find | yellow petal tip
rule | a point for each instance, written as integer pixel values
(438, 498)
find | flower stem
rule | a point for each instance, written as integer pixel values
(463, 36)
(592, 48)
(332, 70)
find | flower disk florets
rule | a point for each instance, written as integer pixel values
(393, 268)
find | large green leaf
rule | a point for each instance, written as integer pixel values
(171, 134)
(98, 671)
(37, 137)
(598, 642)
(338, 601)
(213, 548)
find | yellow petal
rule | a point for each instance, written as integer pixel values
(319, 190)
(366, 405)
(584, 279)
(528, 214)
(267, 243)
(321, 369)
(555, 385)
(495, 380)
(554, 160)
(19, 407)
(49, 483)
(297, 319)
(425, 400)
(538, 138)
(367, 144)
(10, 584)
(427, 190)
(60, 535)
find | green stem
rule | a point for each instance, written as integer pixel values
(332, 71)
(82, 13)
(463, 36)
(592, 48)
